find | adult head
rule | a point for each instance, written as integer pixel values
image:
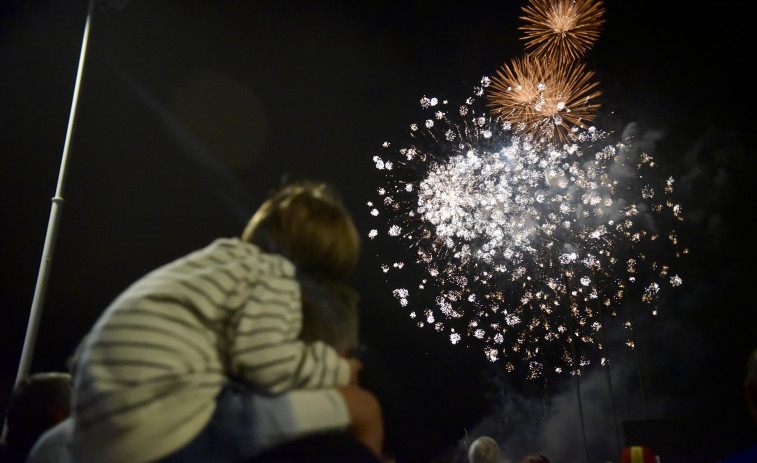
(638, 454)
(308, 223)
(535, 458)
(483, 450)
(330, 314)
(37, 403)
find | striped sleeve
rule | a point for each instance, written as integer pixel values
(265, 348)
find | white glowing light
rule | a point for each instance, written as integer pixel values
(521, 245)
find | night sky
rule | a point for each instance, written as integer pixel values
(191, 111)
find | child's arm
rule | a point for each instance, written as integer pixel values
(264, 351)
(281, 366)
(261, 345)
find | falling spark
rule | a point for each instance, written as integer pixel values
(521, 245)
(562, 30)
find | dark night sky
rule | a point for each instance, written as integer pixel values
(191, 111)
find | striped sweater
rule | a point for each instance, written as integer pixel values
(153, 363)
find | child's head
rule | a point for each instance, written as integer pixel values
(308, 223)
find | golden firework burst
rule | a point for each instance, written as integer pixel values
(562, 30)
(515, 90)
(543, 98)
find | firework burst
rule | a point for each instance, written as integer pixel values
(543, 99)
(562, 30)
(520, 246)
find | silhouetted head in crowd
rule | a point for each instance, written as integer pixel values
(37, 403)
(535, 459)
(483, 450)
(638, 454)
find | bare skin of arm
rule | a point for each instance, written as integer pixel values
(366, 420)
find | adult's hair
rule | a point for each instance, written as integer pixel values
(37, 403)
(308, 223)
(483, 450)
(330, 314)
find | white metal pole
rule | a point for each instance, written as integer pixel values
(52, 225)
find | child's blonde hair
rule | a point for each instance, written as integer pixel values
(308, 223)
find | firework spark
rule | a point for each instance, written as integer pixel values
(545, 99)
(562, 30)
(518, 245)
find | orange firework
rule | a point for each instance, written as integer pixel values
(562, 29)
(516, 89)
(544, 99)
